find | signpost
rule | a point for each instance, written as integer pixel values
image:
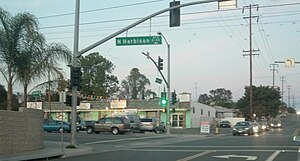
(142, 40)
(205, 127)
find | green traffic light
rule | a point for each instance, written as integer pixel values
(163, 99)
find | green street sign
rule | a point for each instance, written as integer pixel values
(36, 94)
(142, 40)
(157, 80)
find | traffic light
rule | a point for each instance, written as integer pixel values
(163, 110)
(173, 110)
(174, 98)
(160, 63)
(174, 14)
(69, 100)
(163, 99)
(75, 76)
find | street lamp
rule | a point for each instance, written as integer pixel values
(168, 85)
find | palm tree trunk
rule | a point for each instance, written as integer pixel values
(25, 94)
(9, 94)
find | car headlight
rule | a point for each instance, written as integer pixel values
(247, 128)
(234, 128)
(263, 127)
(278, 124)
(272, 124)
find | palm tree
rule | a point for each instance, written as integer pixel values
(13, 32)
(40, 59)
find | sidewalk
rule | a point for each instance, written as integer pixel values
(51, 150)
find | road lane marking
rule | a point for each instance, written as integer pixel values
(124, 139)
(273, 156)
(170, 146)
(236, 156)
(195, 156)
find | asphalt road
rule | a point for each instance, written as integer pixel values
(275, 145)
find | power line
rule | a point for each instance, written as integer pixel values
(100, 9)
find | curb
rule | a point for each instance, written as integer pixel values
(50, 150)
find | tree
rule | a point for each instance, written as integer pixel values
(13, 31)
(135, 84)
(3, 99)
(38, 60)
(217, 97)
(265, 101)
(97, 79)
(204, 98)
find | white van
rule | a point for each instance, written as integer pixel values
(134, 120)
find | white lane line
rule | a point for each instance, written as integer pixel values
(195, 156)
(170, 146)
(195, 150)
(124, 139)
(273, 156)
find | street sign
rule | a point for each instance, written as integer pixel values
(229, 4)
(157, 80)
(142, 40)
(205, 127)
(36, 94)
(289, 63)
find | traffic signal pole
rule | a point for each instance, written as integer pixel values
(75, 64)
(77, 53)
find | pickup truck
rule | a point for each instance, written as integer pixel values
(115, 125)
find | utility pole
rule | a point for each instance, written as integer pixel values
(250, 51)
(75, 64)
(282, 79)
(289, 94)
(273, 66)
(196, 95)
(294, 103)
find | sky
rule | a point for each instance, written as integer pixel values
(206, 50)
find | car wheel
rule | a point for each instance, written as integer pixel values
(233, 134)
(156, 131)
(89, 130)
(115, 131)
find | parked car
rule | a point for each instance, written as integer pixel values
(56, 126)
(115, 125)
(243, 127)
(85, 123)
(134, 119)
(149, 124)
(225, 124)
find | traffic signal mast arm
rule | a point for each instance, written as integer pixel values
(141, 21)
(149, 57)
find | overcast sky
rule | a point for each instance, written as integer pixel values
(206, 50)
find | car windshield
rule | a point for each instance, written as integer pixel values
(146, 120)
(242, 124)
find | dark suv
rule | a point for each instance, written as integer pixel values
(115, 125)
